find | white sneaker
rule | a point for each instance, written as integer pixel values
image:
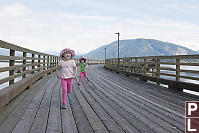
(64, 106)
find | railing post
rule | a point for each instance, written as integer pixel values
(114, 63)
(39, 62)
(44, 61)
(129, 65)
(118, 63)
(48, 62)
(123, 64)
(158, 70)
(178, 69)
(53, 60)
(24, 63)
(33, 61)
(136, 62)
(145, 66)
(57, 59)
(77, 62)
(11, 63)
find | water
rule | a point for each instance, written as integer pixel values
(184, 74)
(6, 74)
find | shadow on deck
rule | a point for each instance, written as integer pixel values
(108, 103)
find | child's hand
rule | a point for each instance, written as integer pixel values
(74, 76)
(58, 76)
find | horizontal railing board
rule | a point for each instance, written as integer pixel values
(189, 71)
(10, 92)
(163, 57)
(156, 66)
(188, 77)
(7, 45)
(2, 57)
(19, 74)
(173, 84)
(3, 69)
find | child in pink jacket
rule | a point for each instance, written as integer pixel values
(68, 72)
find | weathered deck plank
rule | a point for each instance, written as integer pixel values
(144, 116)
(148, 87)
(41, 119)
(81, 121)
(109, 103)
(127, 92)
(94, 120)
(138, 89)
(112, 120)
(54, 119)
(68, 122)
(10, 123)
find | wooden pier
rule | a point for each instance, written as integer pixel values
(109, 103)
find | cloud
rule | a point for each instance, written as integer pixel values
(15, 10)
(49, 30)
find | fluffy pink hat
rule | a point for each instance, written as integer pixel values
(67, 50)
(82, 58)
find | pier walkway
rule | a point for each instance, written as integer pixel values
(108, 103)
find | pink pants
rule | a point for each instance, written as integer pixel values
(66, 88)
(81, 74)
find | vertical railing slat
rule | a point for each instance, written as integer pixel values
(44, 61)
(33, 61)
(158, 70)
(11, 63)
(39, 62)
(136, 61)
(24, 63)
(178, 69)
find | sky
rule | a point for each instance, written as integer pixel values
(84, 25)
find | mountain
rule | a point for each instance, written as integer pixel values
(139, 47)
(128, 48)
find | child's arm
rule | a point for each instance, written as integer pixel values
(58, 72)
(86, 65)
(75, 71)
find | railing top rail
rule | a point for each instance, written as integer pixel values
(163, 57)
(177, 71)
(7, 45)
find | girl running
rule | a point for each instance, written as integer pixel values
(83, 67)
(68, 72)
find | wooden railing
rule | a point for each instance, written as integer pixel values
(179, 72)
(24, 67)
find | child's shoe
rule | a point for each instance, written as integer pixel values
(78, 83)
(64, 106)
(88, 80)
